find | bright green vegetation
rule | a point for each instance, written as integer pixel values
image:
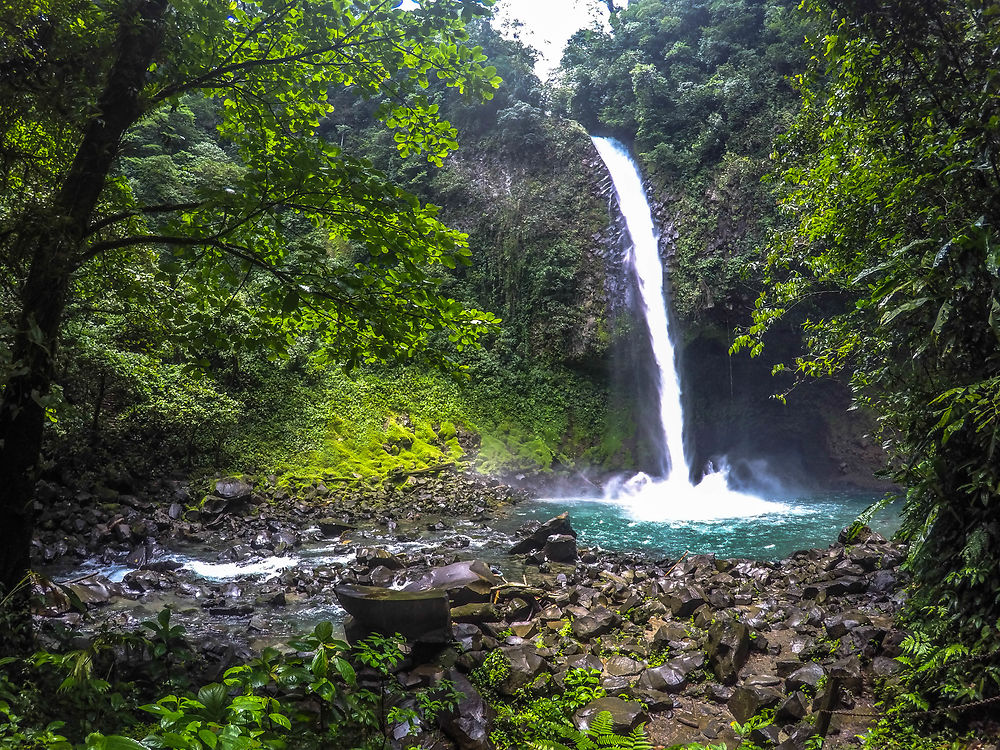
(308, 696)
(184, 375)
(540, 716)
(890, 180)
(317, 693)
(701, 90)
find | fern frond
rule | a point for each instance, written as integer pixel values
(601, 725)
(548, 745)
(639, 740)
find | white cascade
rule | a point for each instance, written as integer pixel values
(669, 496)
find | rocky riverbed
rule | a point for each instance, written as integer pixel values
(700, 641)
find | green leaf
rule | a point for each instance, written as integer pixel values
(281, 720)
(112, 742)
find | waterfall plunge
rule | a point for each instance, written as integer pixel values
(671, 496)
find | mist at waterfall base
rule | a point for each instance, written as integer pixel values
(667, 510)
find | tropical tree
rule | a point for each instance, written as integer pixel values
(891, 179)
(329, 245)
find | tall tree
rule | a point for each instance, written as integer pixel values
(892, 187)
(77, 76)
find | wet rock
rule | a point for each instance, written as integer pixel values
(262, 540)
(598, 622)
(470, 723)
(825, 702)
(138, 557)
(233, 488)
(163, 566)
(728, 648)
(619, 666)
(667, 634)
(847, 672)
(334, 527)
(525, 666)
(883, 582)
(122, 532)
(793, 708)
(468, 635)
(682, 601)
(369, 557)
(655, 701)
(381, 576)
(416, 615)
(840, 625)
(283, 540)
(749, 700)
(231, 610)
(808, 676)
(766, 736)
(475, 613)
(560, 548)
(93, 591)
(667, 678)
(465, 582)
(719, 693)
(625, 715)
(537, 538)
(236, 553)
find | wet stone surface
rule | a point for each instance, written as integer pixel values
(701, 641)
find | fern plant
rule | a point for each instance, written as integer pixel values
(599, 735)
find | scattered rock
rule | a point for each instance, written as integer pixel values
(728, 649)
(560, 548)
(625, 715)
(536, 540)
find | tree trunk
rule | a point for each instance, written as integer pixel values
(53, 240)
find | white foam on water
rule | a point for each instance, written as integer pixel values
(266, 568)
(675, 500)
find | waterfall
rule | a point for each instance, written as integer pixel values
(644, 261)
(669, 496)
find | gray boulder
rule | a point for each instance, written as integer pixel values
(422, 616)
(750, 700)
(465, 582)
(728, 649)
(469, 724)
(598, 622)
(536, 540)
(560, 548)
(625, 715)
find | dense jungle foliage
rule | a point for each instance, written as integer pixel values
(890, 180)
(185, 282)
(701, 89)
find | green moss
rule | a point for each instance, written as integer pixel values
(447, 430)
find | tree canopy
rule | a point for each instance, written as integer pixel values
(289, 236)
(890, 180)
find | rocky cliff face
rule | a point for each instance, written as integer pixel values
(536, 213)
(548, 258)
(714, 233)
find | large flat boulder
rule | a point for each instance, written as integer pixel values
(423, 616)
(465, 582)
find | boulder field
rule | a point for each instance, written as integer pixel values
(687, 646)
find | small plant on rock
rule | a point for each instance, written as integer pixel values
(600, 734)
